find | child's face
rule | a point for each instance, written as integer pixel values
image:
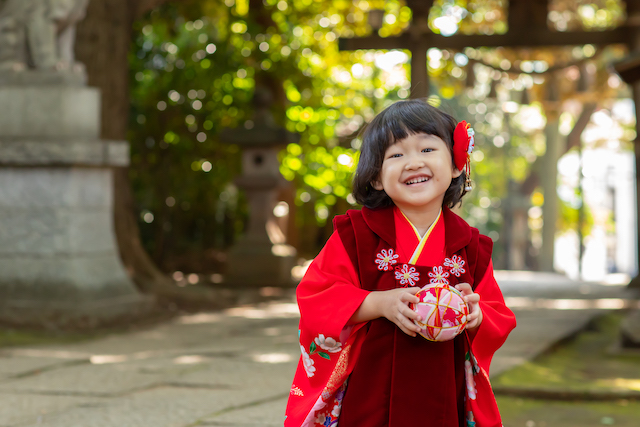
(416, 172)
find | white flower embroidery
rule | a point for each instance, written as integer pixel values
(385, 259)
(438, 275)
(472, 140)
(407, 275)
(307, 363)
(455, 265)
(329, 344)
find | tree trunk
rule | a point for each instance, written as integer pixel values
(102, 44)
(533, 180)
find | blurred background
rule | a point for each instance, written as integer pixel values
(169, 168)
(194, 66)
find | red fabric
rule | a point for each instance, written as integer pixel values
(460, 145)
(388, 384)
(490, 335)
(407, 240)
(332, 291)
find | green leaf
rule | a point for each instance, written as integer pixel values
(324, 355)
(312, 348)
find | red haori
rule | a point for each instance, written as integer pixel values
(335, 285)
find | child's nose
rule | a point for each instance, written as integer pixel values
(414, 162)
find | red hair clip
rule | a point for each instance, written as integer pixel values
(463, 143)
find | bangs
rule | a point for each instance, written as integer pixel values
(403, 119)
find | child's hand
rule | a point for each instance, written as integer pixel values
(394, 305)
(472, 299)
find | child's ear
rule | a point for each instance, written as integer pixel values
(456, 173)
(377, 185)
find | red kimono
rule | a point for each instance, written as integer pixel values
(371, 373)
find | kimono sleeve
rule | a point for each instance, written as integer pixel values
(328, 295)
(330, 292)
(497, 322)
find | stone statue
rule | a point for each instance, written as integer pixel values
(39, 34)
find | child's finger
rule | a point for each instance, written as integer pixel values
(411, 327)
(410, 314)
(410, 295)
(472, 298)
(410, 333)
(404, 312)
(405, 317)
(474, 318)
(409, 298)
(464, 288)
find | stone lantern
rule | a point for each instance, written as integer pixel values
(261, 256)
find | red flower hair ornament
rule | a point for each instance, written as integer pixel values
(463, 143)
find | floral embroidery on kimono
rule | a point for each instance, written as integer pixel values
(439, 275)
(407, 275)
(455, 264)
(385, 259)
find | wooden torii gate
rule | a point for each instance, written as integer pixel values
(527, 28)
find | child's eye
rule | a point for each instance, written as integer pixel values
(427, 150)
(395, 155)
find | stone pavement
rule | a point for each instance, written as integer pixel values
(234, 368)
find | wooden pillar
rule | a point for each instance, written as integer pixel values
(549, 175)
(549, 182)
(419, 27)
(419, 73)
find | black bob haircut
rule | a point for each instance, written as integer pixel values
(393, 124)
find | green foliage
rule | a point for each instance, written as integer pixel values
(194, 68)
(189, 81)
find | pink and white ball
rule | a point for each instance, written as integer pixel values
(443, 312)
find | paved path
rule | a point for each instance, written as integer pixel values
(233, 368)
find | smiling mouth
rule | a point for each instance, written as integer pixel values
(417, 180)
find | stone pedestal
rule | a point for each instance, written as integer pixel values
(261, 257)
(258, 259)
(59, 264)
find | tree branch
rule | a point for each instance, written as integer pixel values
(573, 139)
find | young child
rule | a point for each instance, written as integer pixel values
(362, 364)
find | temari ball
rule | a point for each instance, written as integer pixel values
(442, 310)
